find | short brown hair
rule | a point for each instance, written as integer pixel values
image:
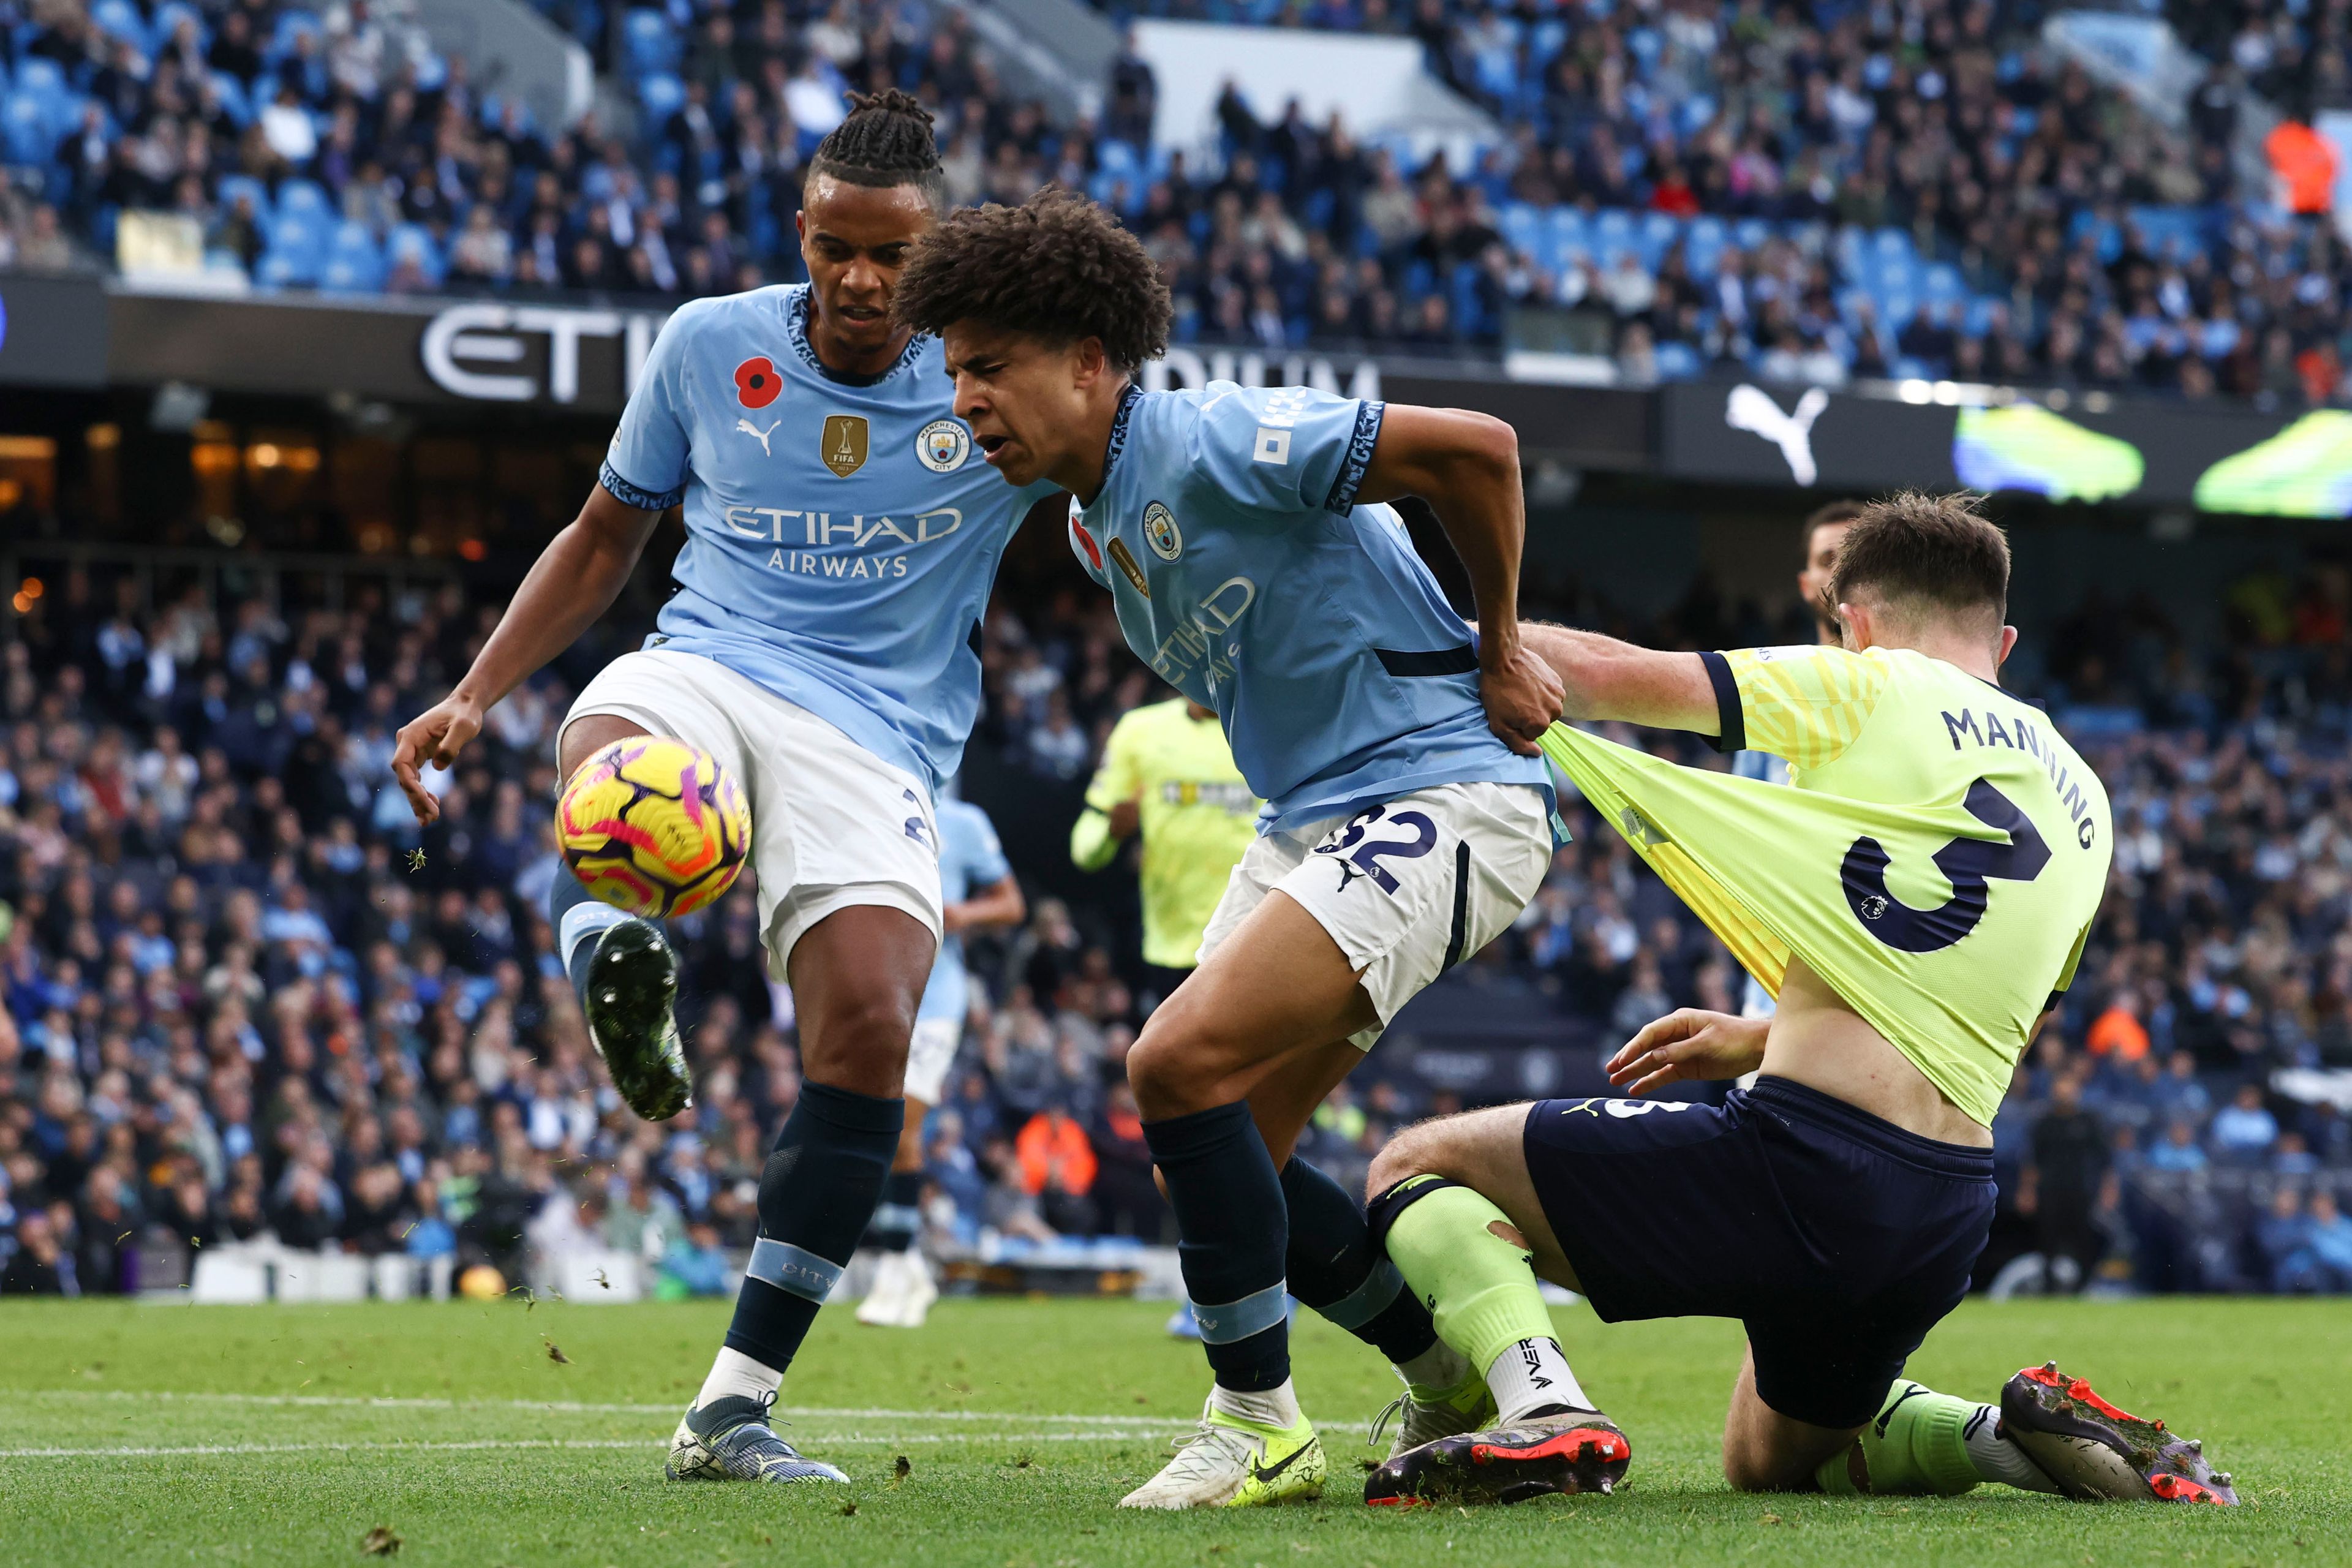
(1926, 549)
(1057, 267)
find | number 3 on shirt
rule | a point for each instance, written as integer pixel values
(1360, 857)
(1969, 864)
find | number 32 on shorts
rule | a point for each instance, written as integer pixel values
(1359, 854)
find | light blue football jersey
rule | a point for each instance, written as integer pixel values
(1248, 578)
(841, 533)
(969, 857)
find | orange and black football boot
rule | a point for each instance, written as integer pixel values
(1553, 1452)
(2091, 1449)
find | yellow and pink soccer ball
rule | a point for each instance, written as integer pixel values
(653, 826)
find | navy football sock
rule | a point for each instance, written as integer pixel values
(815, 1196)
(1234, 1229)
(1333, 1269)
(579, 917)
(900, 1219)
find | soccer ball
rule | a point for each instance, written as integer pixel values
(653, 826)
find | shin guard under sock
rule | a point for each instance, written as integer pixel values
(1332, 1267)
(1441, 1237)
(815, 1196)
(1232, 1231)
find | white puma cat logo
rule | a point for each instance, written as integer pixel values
(1753, 410)
(748, 428)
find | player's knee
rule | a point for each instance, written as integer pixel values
(858, 1041)
(1411, 1153)
(1159, 1073)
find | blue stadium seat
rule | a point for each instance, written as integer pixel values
(1613, 227)
(1894, 242)
(1941, 281)
(1523, 227)
(235, 104)
(1659, 232)
(1751, 233)
(301, 236)
(41, 77)
(351, 274)
(1677, 361)
(121, 19)
(660, 95)
(305, 198)
(167, 22)
(649, 42)
(290, 24)
(1896, 275)
(1978, 319)
(414, 241)
(278, 269)
(24, 129)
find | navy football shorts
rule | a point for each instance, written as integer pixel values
(1837, 1238)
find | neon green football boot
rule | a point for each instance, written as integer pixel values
(1230, 1462)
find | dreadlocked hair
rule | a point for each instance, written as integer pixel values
(1057, 267)
(885, 141)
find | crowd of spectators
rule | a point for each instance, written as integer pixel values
(1814, 192)
(241, 994)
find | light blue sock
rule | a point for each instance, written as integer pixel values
(579, 917)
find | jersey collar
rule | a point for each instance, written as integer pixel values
(796, 320)
(1128, 396)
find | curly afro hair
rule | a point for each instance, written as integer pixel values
(1057, 267)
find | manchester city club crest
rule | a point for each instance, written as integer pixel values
(1161, 532)
(942, 446)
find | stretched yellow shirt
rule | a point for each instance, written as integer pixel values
(1196, 818)
(1937, 864)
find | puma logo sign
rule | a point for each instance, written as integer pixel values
(748, 428)
(1753, 410)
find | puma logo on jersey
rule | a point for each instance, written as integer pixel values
(748, 428)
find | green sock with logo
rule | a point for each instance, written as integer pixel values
(1917, 1444)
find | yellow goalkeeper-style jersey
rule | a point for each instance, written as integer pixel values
(1937, 864)
(1197, 816)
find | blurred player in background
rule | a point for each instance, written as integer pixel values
(977, 892)
(1168, 774)
(822, 647)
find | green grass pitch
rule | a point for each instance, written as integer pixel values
(137, 1433)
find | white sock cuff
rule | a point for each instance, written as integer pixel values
(1269, 1407)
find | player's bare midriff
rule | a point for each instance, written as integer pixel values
(1818, 1040)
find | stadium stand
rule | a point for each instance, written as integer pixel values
(1839, 191)
(246, 1002)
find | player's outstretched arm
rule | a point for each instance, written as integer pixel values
(1605, 678)
(575, 579)
(1688, 1044)
(1467, 465)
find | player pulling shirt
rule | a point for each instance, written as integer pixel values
(1245, 574)
(1939, 861)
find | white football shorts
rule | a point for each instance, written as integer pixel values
(833, 825)
(1408, 889)
(929, 1055)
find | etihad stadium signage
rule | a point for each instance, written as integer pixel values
(499, 358)
(2064, 445)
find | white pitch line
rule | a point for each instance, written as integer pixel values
(829, 1440)
(566, 1406)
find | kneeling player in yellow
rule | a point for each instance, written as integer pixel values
(1916, 904)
